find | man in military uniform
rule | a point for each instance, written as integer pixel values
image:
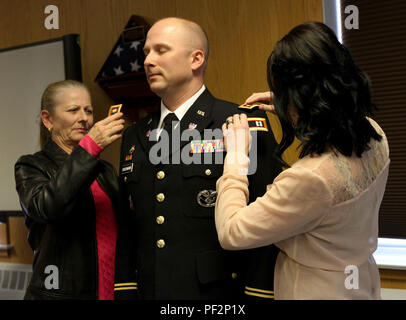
(171, 198)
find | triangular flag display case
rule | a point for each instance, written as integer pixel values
(122, 75)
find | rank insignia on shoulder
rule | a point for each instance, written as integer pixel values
(207, 146)
(249, 106)
(115, 109)
(200, 113)
(257, 124)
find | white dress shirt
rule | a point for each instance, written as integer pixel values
(180, 111)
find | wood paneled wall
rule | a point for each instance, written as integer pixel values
(241, 34)
(393, 279)
(17, 237)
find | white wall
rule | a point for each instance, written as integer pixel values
(25, 72)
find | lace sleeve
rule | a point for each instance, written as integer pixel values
(293, 204)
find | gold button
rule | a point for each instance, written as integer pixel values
(160, 197)
(125, 179)
(160, 219)
(160, 175)
(160, 243)
(207, 172)
(234, 275)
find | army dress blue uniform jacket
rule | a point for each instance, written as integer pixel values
(177, 252)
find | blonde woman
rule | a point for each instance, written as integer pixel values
(70, 200)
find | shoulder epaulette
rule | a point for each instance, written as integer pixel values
(249, 106)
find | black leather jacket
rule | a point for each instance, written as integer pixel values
(54, 191)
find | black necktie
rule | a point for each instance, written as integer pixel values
(168, 124)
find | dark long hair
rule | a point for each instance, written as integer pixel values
(310, 70)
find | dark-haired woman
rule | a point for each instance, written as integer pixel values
(323, 211)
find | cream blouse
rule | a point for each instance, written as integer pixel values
(323, 215)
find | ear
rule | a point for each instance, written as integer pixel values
(46, 119)
(198, 59)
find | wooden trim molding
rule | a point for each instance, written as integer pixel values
(393, 279)
(4, 238)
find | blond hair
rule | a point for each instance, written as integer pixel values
(48, 102)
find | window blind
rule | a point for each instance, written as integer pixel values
(379, 48)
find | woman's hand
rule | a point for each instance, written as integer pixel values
(265, 98)
(237, 137)
(108, 130)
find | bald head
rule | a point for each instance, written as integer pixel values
(192, 34)
(176, 53)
